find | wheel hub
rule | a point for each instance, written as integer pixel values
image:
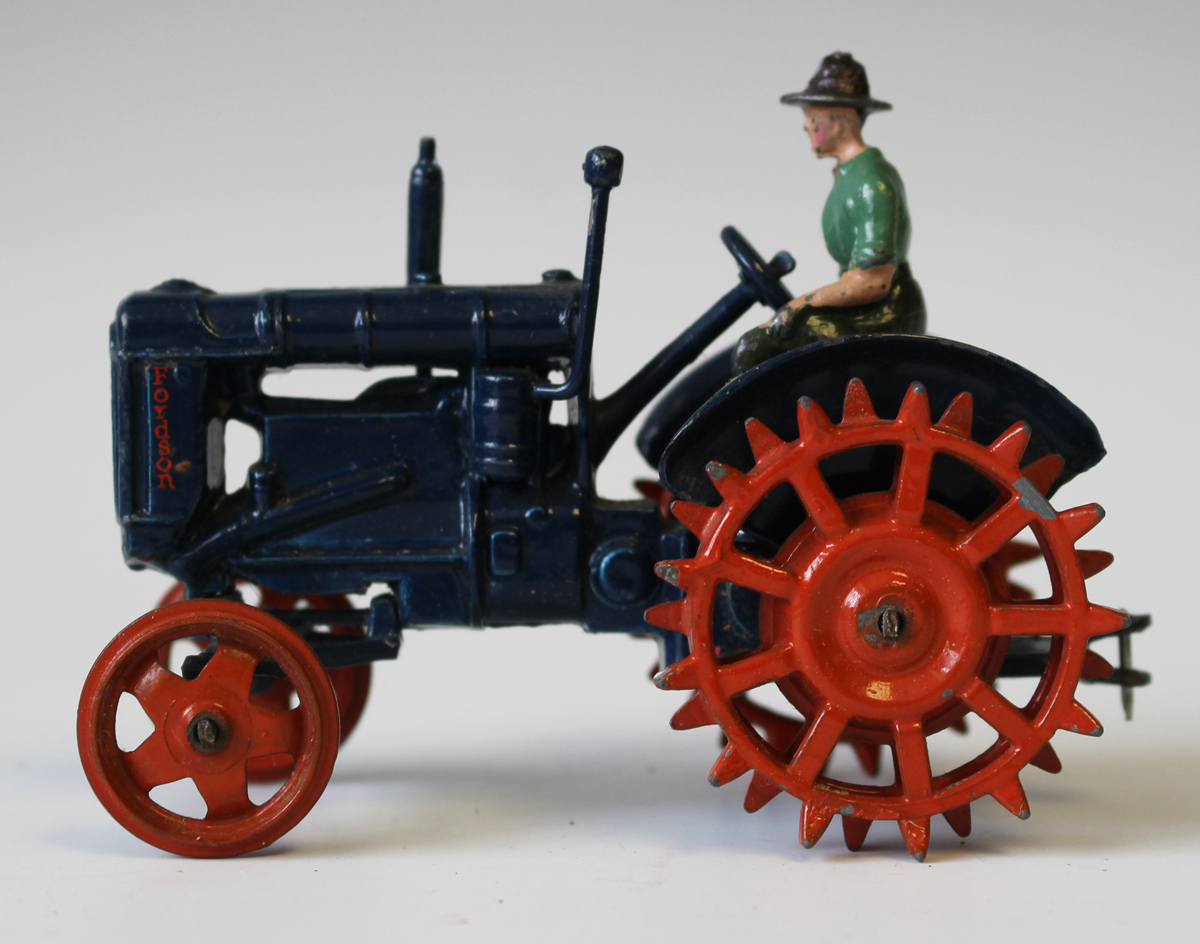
(888, 625)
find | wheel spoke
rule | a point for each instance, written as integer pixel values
(1029, 620)
(820, 737)
(151, 763)
(224, 793)
(995, 532)
(231, 667)
(756, 670)
(818, 501)
(157, 689)
(997, 711)
(912, 758)
(782, 733)
(756, 574)
(275, 732)
(912, 485)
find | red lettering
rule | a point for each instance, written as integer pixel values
(162, 432)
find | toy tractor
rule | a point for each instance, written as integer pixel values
(845, 523)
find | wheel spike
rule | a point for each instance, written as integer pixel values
(1079, 521)
(960, 726)
(914, 410)
(1011, 796)
(1095, 666)
(666, 616)
(814, 820)
(1103, 620)
(728, 481)
(694, 713)
(760, 792)
(649, 488)
(1092, 562)
(1017, 592)
(762, 440)
(694, 517)
(868, 756)
(857, 407)
(814, 424)
(1081, 721)
(657, 494)
(959, 416)
(729, 767)
(681, 676)
(959, 819)
(1010, 445)
(668, 570)
(1044, 472)
(916, 836)
(854, 830)
(1046, 759)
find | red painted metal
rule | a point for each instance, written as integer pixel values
(657, 494)
(122, 780)
(822, 644)
(351, 684)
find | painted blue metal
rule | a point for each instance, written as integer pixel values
(708, 425)
(454, 489)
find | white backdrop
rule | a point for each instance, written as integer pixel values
(525, 783)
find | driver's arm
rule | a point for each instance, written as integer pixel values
(855, 287)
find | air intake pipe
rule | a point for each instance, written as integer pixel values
(425, 218)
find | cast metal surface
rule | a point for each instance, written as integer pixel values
(449, 497)
(884, 616)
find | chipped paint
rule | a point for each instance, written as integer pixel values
(668, 572)
(1032, 500)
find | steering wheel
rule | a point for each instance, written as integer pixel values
(761, 277)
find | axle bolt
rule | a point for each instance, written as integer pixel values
(207, 733)
(891, 623)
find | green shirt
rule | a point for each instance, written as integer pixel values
(866, 220)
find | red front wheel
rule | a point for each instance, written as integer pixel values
(351, 684)
(208, 728)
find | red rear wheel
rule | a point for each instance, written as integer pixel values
(207, 729)
(883, 619)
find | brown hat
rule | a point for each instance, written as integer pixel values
(841, 82)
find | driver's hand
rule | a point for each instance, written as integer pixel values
(777, 327)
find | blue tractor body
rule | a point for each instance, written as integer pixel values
(452, 486)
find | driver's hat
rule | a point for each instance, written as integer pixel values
(841, 82)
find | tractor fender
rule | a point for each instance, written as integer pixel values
(1003, 392)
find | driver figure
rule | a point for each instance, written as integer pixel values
(865, 222)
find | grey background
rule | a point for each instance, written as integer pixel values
(1049, 154)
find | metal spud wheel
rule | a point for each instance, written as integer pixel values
(880, 619)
